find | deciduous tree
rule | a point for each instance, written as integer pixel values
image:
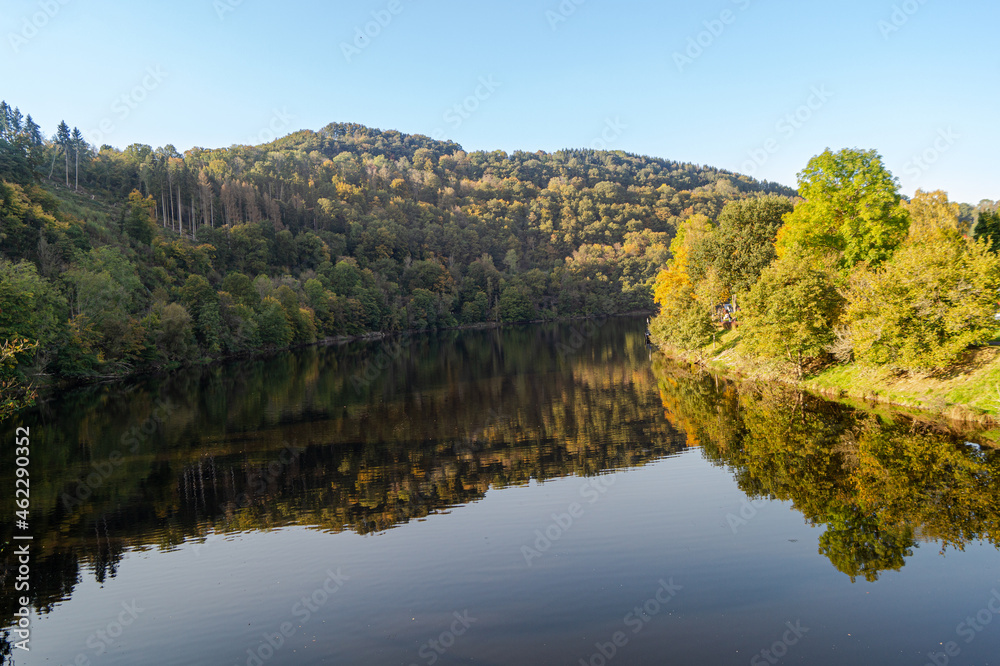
(851, 208)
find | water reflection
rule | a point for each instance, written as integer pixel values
(879, 484)
(349, 438)
(368, 436)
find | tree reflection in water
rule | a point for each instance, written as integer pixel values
(880, 484)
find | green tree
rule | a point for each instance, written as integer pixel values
(515, 305)
(76, 140)
(241, 288)
(683, 321)
(175, 336)
(928, 210)
(139, 218)
(64, 141)
(988, 229)
(791, 311)
(851, 209)
(272, 324)
(743, 244)
(31, 307)
(922, 309)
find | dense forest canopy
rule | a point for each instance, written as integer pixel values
(854, 271)
(118, 260)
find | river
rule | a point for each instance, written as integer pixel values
(539, 494)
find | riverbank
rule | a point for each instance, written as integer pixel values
(968, 393)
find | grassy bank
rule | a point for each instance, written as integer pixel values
(968, 392)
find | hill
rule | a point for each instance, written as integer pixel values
(117, 261)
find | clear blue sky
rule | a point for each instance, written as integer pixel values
(927, 89)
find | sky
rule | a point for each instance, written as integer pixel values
(753, 86)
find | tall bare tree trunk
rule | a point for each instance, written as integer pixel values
(55, 154)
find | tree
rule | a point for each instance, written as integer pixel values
(63, 139)
(31, 307)
(77, 142)
(175, 337)
(15, 393)
(272, 325)
(684, 321)
(922, 309)
(515, 305)
(743, 244)
(791, 311)
(139, 219)
(33, 131)
(988, 229)
(851, 209)
(929, 210)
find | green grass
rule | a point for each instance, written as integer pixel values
(967, 392)
(980, 390)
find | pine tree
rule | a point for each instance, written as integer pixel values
(33, 131)
(63, 138)
(78, 141)
(4, 120)
(15, 122)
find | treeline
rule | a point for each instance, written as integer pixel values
(851, 272)
(142, 257)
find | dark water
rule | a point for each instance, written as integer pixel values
(536, 495)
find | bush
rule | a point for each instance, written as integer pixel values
(927, 305)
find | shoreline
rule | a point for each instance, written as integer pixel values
(935, 397)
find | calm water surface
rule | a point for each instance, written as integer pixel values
(548, 494)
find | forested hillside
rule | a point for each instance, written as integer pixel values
(118, 260)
